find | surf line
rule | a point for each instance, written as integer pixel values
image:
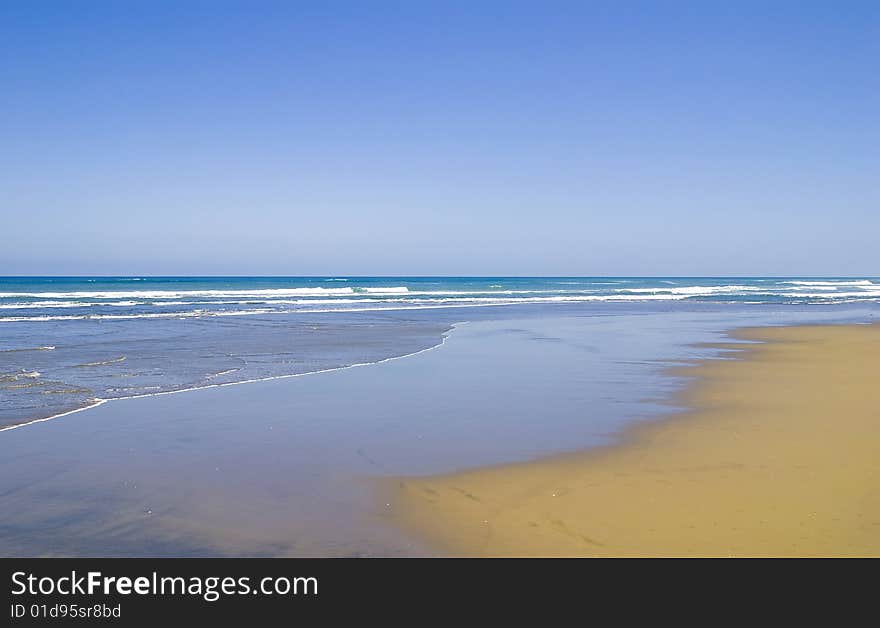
(98, 401)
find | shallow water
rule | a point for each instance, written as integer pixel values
(67, 341)
(287, 467)
(57, 367)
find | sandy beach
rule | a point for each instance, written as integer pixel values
(777, 456)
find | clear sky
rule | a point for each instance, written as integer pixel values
(460, 138)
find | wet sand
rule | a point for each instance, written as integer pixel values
(778, 456)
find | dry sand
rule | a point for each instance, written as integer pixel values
(780, 456)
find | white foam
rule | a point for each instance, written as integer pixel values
(103, 363)
(696, 290)
(28, 305)
(392, 290)
(188, 314)
(221, 373)
(832, 296)
(66, 304)
(209, 303)
(831, 284)
(379, 306)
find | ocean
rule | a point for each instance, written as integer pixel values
(71, 342)
(48, 299)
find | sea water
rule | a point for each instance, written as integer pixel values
(69, 342)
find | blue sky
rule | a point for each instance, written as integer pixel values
(471, 138)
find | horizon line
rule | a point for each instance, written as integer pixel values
(433, 276)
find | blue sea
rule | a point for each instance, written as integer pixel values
(70, 342)
(31, 299)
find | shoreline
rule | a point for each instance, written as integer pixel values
(101, 401)
(78, 405)
(750, 468)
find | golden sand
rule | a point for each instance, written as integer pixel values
(780, 456)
